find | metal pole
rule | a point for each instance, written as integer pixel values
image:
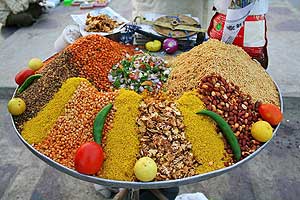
(158, 194)
(134, 194)
(121, 195)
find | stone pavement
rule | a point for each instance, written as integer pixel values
(273, 174)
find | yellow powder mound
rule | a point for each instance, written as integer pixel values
(122, 144)
(230, 61)
(36, 129)
(207, 145)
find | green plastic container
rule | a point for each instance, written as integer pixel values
(68, 2)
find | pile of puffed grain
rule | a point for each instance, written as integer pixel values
(230, 61)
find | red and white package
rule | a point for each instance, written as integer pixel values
(252, 34)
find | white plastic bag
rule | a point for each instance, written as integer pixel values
(191, 196)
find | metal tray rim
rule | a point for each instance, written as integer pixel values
(145, 185)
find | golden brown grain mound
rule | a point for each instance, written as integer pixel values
(230, 61)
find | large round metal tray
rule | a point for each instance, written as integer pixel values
(145, 185)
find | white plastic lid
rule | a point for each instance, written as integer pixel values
(71, 33)
(260, 6)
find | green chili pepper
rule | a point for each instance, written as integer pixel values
(99, 123)
(28, 81)
(227, 131)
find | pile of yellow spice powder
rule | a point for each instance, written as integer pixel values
(207, 145)
(122, 144)
(36, 129)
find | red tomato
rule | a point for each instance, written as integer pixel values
(270, 113)
(89, 158)
(23, 75)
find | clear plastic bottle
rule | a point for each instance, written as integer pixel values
(52, 3)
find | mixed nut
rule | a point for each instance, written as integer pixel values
(162, 138)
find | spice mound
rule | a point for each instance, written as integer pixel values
(140, 72)
(41, 91)
(100, 23)
(207, 145)
(74, 126)
(37, 128)
(230, 61)
(93, 56)
(122, 144)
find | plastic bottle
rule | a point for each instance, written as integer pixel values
(52, 3)
(68, 2)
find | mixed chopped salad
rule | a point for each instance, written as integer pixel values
(140, 72)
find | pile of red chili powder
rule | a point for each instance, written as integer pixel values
(95, 55)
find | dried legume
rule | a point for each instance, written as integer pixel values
(75, 126)
(226, 99)
(41, 91)
(94, 57)
(37, 128)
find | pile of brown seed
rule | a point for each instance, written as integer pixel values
(41, 91)
(226, 99)
(230, 61)
(162, 138)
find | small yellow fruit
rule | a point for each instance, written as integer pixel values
(153, 45)
(262, 131)
(145, 169)
(35, 64)
(16, 106)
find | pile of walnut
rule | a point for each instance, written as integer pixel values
(162, 138)
(100, 23)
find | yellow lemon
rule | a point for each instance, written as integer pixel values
(145, 169)
(153, 45)
(35, 64)
(262, 131)
(16, 106)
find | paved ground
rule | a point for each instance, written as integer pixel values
(273, 174)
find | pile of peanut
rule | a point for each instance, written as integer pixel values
(237, 108)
